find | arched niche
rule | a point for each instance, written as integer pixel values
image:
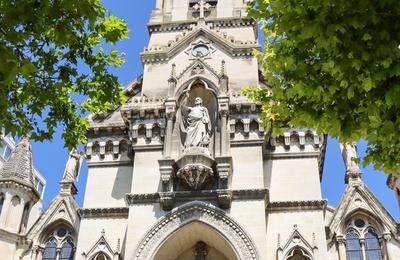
(225, 234)
(186, 95)
(183, 244)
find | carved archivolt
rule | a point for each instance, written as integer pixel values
(202, 212)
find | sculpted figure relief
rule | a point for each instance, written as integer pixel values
(196, 124)
(349, 154)
(73, 166)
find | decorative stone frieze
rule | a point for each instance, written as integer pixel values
(203, 213)
(121, 212)
(108, 148)
(297, 205)
(299, 137)
(143, 107)
(189, 25)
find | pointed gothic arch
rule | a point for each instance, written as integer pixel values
(197, 213)
(184, 244)
(208, 84)
(297, 247)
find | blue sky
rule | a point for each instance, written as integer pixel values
(50, 157)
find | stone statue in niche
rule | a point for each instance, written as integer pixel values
(349, 154)
(196, 124)
(73, 166)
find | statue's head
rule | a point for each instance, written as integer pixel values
(198, 101)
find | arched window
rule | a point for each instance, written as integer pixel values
(25, 218)
(353, 246)
(2, 197)
(60, 238)
(67, 250)
(50, 250)
(361, 229)
(372, 247)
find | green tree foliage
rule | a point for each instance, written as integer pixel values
(42, 44)
(334, 65)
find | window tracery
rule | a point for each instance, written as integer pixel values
(362, 241)
(59, 245)
(50, 250)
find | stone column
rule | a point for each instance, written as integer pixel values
(34, 252)
(39, 255)
(5, 209)
(58, 252)
(159, 4)
(362, 242)
(341, 241)
(223, 109)
(386, 247)
(167, 15)
(224, 136)
(170, 111)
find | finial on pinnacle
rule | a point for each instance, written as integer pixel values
(173, 71)
(223, 67)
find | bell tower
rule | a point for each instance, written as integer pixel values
(197, 163)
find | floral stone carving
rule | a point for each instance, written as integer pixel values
(195, 168)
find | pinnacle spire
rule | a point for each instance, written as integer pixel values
(20, 164)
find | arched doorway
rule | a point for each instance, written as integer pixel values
(179, 231)
(196, 241)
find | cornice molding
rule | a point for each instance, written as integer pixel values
(18, 184)
(214, 23)
(245, 194)
(297, 205)
(234, 48)
(119, 212)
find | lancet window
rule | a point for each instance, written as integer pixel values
(362, 241)
(2, 197)
(25, 218)
(59, 245)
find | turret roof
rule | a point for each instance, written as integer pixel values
(20, 164)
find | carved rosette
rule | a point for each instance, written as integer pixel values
(195, 175)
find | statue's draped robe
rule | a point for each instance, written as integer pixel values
(197, 127)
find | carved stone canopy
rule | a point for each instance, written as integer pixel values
(195, 167)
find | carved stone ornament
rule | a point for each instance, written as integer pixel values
(204, 213)
(194, 175)
(195, 168)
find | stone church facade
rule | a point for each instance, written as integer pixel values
(185, 170)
